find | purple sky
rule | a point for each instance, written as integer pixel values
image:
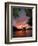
(22, 19)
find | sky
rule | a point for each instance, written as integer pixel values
(21, 20)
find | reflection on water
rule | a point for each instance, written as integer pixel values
(23, 32)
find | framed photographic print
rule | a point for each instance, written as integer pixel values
(20, 22)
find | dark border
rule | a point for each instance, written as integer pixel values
(7, 10)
